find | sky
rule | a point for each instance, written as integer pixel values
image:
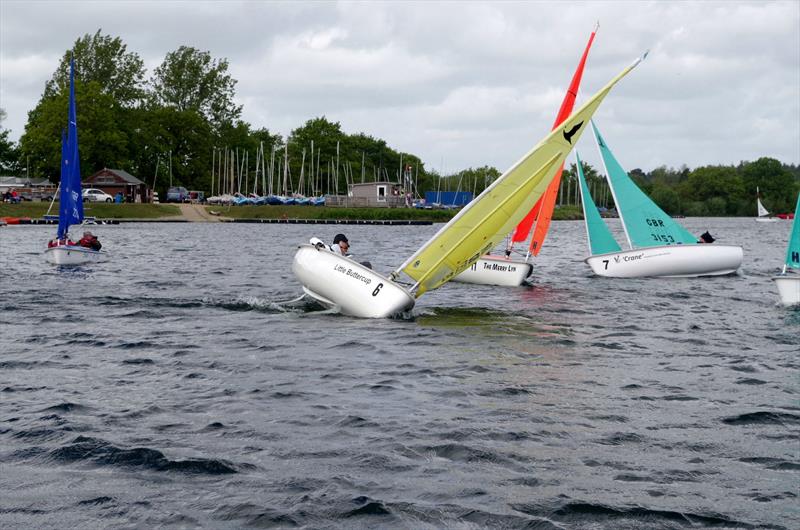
(461, 84)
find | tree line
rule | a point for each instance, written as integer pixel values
(181, 126)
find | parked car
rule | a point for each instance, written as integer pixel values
(95, 195)
(177, 194)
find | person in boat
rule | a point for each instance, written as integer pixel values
(705, 237)
(89, 240)
(341, 245)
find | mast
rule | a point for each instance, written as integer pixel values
(611, 187)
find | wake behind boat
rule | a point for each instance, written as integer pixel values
(62, 251)
(659, 245)
(338, 281)
(788, 283)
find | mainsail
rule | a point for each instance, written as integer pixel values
(601, 241)
(793, 250)
(542, 212)
(482, 224)
(762, 212)
(70, 208)
(645, 224)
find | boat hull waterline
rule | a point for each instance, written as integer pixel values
(72, 255)
(788, 289)
(357, 290)
(668, 261)
(496, 270)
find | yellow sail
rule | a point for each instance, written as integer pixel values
(482, 224)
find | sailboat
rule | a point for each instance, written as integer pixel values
(62, 251)
(658, 245)
(502, 270)
(788, 282)
(763, 213)
(354, 289)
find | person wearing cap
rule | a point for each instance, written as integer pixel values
(341, 245)
(705, 237)
(89, 240)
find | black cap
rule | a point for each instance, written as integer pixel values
(338, 238)
(708, 238)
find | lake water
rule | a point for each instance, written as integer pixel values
(171, 387)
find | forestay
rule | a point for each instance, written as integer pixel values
(481, 225)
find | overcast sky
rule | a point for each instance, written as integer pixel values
(462, 84)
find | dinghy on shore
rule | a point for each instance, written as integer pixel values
(339, 282)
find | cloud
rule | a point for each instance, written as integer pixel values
(462, 84)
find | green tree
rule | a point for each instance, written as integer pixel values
(709, 182)
(104, 60)
(776, 184)
(190, 79)
(9, 154)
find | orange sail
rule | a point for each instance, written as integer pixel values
(542, 211)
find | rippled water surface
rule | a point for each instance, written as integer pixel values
(170, 386)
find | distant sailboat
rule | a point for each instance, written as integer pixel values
(355, 289)
(788, 282)
(659, 245)
(62, 251)
(502, 270)
(763, 213)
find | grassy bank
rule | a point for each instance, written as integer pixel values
(321, 212)
(100, 210)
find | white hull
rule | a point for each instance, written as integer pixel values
(71, 255)
(668, 261)
(496, 270)
(766, 219)
(788, 289)
(353, 289)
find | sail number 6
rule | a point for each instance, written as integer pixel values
(377, 289)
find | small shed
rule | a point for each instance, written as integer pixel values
(113, 181)
(370, 195)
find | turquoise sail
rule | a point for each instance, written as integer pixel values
(646, 225)
(793, 250)
(600, 239)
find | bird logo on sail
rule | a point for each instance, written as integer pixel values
(569, 134)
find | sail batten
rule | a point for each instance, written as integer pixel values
(483, 223)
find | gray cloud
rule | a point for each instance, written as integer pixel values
(462, 83)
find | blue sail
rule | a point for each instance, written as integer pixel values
(646, 225)
(600, 239)
(793, 249)
(70, 208)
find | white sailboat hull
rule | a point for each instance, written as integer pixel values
(341, 283)
(72, 255)
(788, 288)
(766, 219)
(668, 261)
(496, 270)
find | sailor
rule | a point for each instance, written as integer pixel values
(89, 240)
(340, 245)
(705, 237)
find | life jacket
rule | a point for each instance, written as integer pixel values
(90, 242)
